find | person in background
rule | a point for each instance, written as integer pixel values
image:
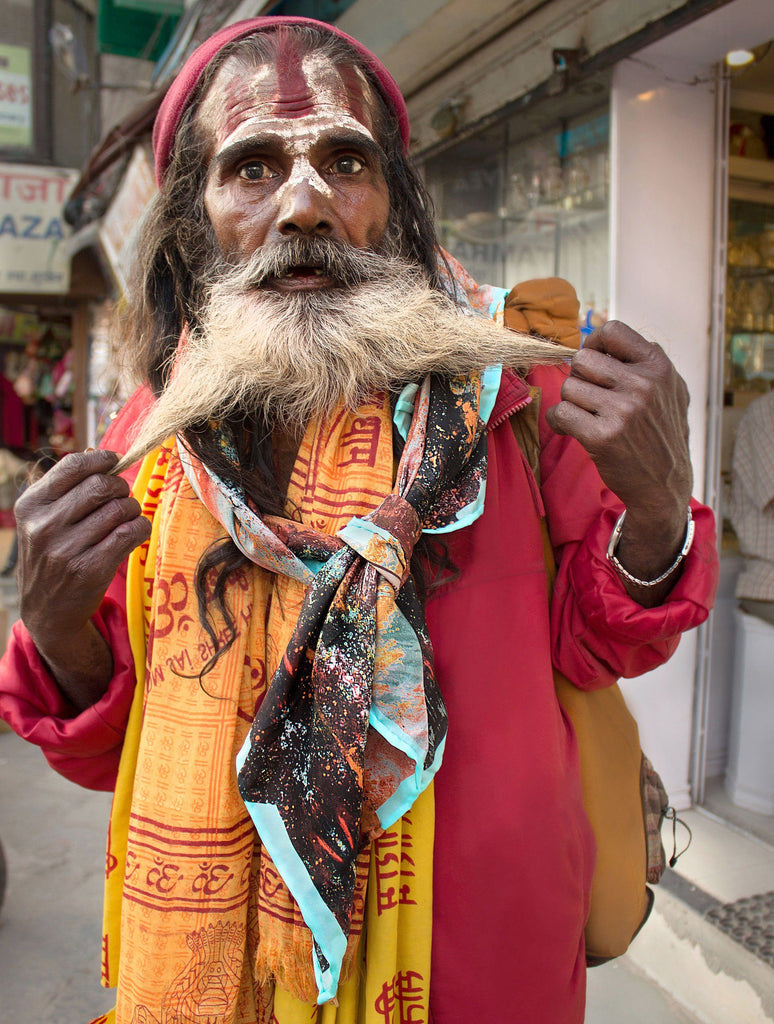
(751, 506)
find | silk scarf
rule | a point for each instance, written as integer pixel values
(352, 727)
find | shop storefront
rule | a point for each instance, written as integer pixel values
(738, 779)
(43, 326)
(691, 199)
(650, 188)
(67, 67)
(515, 203)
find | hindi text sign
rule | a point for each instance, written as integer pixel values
(32, 256)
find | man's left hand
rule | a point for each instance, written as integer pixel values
(625, 402)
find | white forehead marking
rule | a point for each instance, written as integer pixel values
(331, 108)
(299, 134)
(303, 173)
(324, 78)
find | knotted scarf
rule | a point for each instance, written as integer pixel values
(352, 726)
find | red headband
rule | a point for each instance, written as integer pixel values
(179, 93)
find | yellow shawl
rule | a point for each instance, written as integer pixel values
(198, 924)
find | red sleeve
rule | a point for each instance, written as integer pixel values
(118, 434)
(84, 747)
(598, 632)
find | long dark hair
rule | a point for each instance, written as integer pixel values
(176, 246)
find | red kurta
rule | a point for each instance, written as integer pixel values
(514, 854)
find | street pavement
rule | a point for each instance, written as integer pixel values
(50, 924)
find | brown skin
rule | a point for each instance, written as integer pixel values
(76, 526)
(274, 174)
(627, 405)
(623, 401)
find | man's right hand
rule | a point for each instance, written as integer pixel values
(75, 527)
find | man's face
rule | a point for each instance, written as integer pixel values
(293, 153)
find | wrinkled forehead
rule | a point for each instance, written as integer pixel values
(292, 90)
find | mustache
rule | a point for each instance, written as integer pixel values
(282, 359)
(346, 265)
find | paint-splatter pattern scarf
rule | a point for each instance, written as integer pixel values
(352, 727)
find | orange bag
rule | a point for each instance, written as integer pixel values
(623, 797)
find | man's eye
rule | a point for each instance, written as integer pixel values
(254, 171)
(348, 165)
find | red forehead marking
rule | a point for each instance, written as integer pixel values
(293, 97)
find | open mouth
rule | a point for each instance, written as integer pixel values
(303, 271)
(302, 276)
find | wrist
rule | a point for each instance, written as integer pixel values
(661, 562)
(57, 644)
(80, 662)
(661, 529)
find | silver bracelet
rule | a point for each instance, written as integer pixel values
(615, 536)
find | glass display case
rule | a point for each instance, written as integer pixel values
(750, 297)
(513, 206)
(749, 343)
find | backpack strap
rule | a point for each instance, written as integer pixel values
(525, 424)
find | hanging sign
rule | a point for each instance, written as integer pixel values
(33, 257)
(119, 228)
(15, 97)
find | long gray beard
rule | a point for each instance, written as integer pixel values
(288, 357)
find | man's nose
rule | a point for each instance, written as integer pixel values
(304, 207)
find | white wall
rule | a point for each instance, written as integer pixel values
(662, 181)
(662, 173)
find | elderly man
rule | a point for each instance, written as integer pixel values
(268, 685)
